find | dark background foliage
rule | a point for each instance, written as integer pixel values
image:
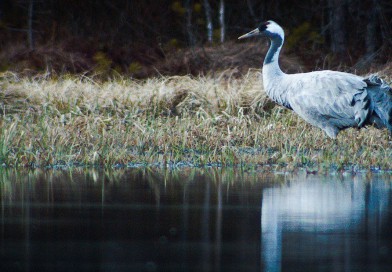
(144, 38)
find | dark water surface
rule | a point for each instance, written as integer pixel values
(194, 220)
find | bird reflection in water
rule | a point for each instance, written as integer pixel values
(313, 223)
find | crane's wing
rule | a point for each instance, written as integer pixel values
(329, 98)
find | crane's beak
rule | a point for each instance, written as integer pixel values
(250, 34)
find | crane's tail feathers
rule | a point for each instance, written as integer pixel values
(381, 95)
(361, 103)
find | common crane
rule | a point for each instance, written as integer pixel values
(330, 100)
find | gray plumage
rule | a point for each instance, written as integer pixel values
(330, 100)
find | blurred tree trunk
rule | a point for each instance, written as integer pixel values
(30, 37)
(222, 20)
(251, 10)
(337, 14)
(188, 18)
(372, 30)
(210, 27)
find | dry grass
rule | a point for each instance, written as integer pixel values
(180, 120)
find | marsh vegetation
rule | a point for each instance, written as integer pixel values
(220, 120)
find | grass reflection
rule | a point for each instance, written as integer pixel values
(209, 219)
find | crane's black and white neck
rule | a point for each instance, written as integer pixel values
(330, 100)
(271, 69)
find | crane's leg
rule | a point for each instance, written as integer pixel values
(332, 132)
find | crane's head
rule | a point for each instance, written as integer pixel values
(267, 29)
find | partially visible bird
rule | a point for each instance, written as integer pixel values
(330, 100)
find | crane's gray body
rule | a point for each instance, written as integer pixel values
(330, 100)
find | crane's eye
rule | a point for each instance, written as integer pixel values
(263, 26)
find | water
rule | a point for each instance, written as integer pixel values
(211, 220)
